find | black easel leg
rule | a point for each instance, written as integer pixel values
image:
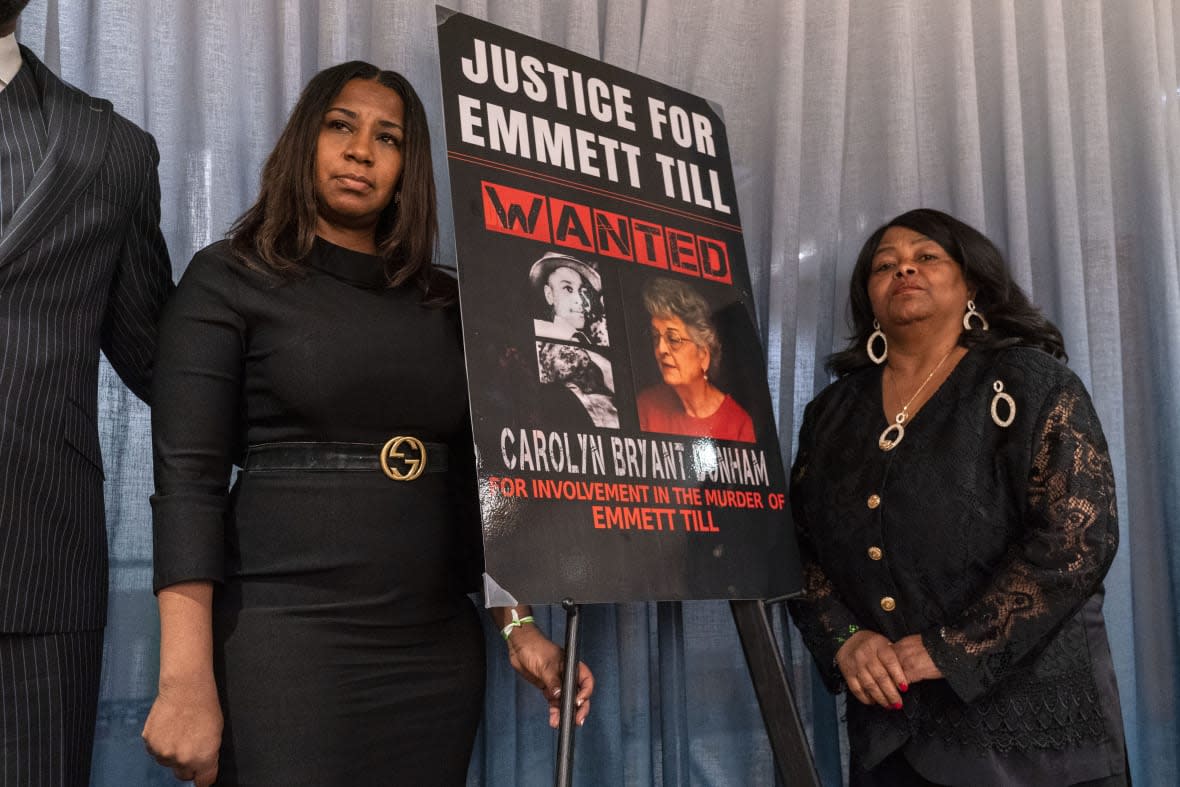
(569, 690)
(787, 738)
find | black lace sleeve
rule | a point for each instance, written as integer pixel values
(1069, 539)
(822, 617)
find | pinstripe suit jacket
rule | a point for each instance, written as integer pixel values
(83, 266)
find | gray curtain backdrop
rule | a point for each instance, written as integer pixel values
(1052, 125)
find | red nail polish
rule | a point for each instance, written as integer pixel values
(904, 687)
(897, 706)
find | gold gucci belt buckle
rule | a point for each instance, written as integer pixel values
(413, 459)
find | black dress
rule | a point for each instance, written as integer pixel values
(989, 541)
(345, 649)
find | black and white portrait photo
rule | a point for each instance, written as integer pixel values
(578, 386)
(569, 300)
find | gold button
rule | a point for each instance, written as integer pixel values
(888, 604)
(875, 553)
(874, 501)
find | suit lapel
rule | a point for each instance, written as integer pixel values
(78, 126)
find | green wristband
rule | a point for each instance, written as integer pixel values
(516, 623)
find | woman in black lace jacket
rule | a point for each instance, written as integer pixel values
(955, 508)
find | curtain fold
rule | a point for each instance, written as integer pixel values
(1052, 126)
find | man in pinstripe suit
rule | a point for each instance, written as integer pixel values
(83, 266)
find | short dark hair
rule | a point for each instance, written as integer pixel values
(1013, 319)
(278, 230)
(10, 10)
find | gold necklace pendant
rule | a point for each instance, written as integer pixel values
(895, 432)
(887, 443)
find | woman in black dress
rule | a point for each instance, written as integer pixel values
(955, 508)
(315, 627)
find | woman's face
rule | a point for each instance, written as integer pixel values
(912, 279)
(682, 361)
(358, 161)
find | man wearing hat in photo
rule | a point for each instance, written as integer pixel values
(572, 291)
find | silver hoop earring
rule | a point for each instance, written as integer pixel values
(971, 312)
(1000, 396)
(873, 337)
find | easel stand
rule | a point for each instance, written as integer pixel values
(784, 729)
(787, 738)
(569, 690)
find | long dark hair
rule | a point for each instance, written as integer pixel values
(278, 230)
(1014, 320)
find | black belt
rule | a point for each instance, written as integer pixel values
(402, 458)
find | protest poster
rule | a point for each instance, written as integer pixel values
(625, 440)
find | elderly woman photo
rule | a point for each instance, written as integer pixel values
(315, 627)
(687, 350)
(955, 508)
